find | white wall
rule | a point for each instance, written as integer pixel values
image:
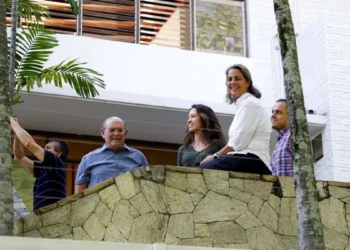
(324, 54)
(154, 75)
(338, 55)
(314, 71)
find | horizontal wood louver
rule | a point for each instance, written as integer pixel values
(106, 19)
(109, 19)
(165, 22)
(162, 22)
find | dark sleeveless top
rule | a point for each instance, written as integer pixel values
(187, 156)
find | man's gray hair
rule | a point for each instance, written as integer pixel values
(112, 118)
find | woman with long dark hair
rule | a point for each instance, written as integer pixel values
(248, 147)
(203, 136)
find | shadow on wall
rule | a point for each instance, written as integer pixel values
(191, 207)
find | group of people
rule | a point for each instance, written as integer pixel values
(247, 149)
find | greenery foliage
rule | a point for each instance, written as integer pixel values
(34, 45)
(219, 27)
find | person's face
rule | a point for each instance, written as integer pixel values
(114, 134)
(236, 83)
(50, 146)
(194, 123)
(279, 116)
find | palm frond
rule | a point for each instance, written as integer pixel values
(74, 6)
(83, 80)
(28, 9)
(34, 46)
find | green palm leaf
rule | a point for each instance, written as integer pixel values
(28, 9)
(34, 46)
(83, 80)
(74, 6)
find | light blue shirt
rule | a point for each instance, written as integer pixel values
(104, 163)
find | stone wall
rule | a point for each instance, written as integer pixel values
(188, 206)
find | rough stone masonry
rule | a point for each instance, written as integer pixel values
(193, 207)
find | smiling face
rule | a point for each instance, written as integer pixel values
(114, 133)
(236, 84)
(279, 116)
(194, 123)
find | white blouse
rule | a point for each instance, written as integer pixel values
(251, 129)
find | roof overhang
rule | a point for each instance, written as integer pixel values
(63, 114)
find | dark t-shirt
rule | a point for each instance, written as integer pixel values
(187, 156)
(50, 183)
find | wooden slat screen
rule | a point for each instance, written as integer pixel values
(162, 22)
(109, 19)
(106, 19)
(61, 19)
(165, 22)
(220, 25)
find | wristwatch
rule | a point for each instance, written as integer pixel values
(215, 156)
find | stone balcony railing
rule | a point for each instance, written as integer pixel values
(193, 207)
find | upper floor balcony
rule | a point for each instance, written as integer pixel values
(204, 25)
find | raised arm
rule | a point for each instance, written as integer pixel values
(26, 163)
(26, 140)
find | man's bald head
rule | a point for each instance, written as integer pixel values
(114, 132)
(112, 119)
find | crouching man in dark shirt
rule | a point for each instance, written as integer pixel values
(49, 172)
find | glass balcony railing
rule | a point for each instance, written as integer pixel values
(206, 25)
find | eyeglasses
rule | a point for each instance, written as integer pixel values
(115, 130)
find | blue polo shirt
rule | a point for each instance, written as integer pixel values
(50, 183)
(104, 163)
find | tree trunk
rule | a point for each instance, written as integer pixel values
(14, 19)
(6, 195)
(309, 225)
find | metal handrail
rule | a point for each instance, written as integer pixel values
(79, 28)
(137, 21)
(193, 24)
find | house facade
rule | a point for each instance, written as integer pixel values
(160, 57)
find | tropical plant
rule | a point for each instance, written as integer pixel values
(219, 26)
(34, 45)
(28, 10)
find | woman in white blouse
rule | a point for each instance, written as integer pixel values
(248, 148)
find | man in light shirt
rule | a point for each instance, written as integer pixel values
(112, 159)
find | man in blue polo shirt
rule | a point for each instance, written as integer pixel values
(50, 172)
(112, 159)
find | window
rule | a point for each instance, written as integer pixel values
(317, 147)
(220, 26)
